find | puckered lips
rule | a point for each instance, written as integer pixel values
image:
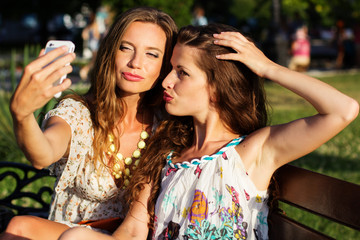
(167, 97)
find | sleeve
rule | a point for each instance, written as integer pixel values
(67, 109)
(78, 118)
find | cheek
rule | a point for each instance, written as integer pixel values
(156, 69)
(119, 63)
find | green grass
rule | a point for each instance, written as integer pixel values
(339, 157)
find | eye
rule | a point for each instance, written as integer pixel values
(154, 55)
(182, 73)
(125, 48)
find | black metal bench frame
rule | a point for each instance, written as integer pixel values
(23, 175)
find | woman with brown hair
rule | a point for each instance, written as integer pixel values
(210, 168)
(93, 142)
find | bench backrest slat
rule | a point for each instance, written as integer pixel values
(285, 228)
(329, 197)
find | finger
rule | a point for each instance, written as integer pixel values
(231, 36)
(61, 87)
(56, 75)
(229, 56)
(51, 56)
(42, 52)
(43, 60)
(57, 67)
(237, 46)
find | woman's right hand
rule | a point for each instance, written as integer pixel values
(245, 52)
(36, 85)
(34, 91)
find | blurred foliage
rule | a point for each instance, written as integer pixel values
(46, 9)
(233, 12)
(180, 10)
(323, 12)
(9, 150)
(256, 15)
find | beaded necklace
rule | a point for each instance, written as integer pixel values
(121, 167)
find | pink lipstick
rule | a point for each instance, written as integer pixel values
(167, 97)
(132, 77)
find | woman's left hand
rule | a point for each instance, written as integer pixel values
(245, 52)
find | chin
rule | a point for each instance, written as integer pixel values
(171, 110)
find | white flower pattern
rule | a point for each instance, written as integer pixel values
(80, 193)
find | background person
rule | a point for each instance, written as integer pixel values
(92, 35)
(199, 18)
(300, 51)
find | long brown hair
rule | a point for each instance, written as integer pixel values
(240, 97)
(239, 100)
(104, 97)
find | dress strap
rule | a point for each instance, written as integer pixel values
(196, 161)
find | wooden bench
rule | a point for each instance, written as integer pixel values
(325, 196)
(334, 199)
(12, 203)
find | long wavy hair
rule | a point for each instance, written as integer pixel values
(104, 97)
(239, 100)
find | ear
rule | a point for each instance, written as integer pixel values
(212, 94)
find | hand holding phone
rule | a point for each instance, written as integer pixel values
(53, 44)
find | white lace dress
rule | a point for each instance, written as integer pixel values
(210, 198)
(80, 193)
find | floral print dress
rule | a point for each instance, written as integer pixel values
(210, 198)
(80, 192)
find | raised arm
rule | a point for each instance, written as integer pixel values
(278, 145)
(34, 91)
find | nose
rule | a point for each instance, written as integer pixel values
(168, 82)
(136, 61)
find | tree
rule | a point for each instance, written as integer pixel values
(323, 12)
(180, 10)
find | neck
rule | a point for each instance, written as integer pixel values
(210, 135)
(209, 131)
(132, 116)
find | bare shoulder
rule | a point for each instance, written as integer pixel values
(251, 148)
(251, 152)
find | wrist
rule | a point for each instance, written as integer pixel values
(271, 71)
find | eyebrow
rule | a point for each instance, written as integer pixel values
(149, 48)
(184, 68)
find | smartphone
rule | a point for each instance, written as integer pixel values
(53, 44)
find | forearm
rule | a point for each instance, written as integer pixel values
(325, 99)
(33, 142)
